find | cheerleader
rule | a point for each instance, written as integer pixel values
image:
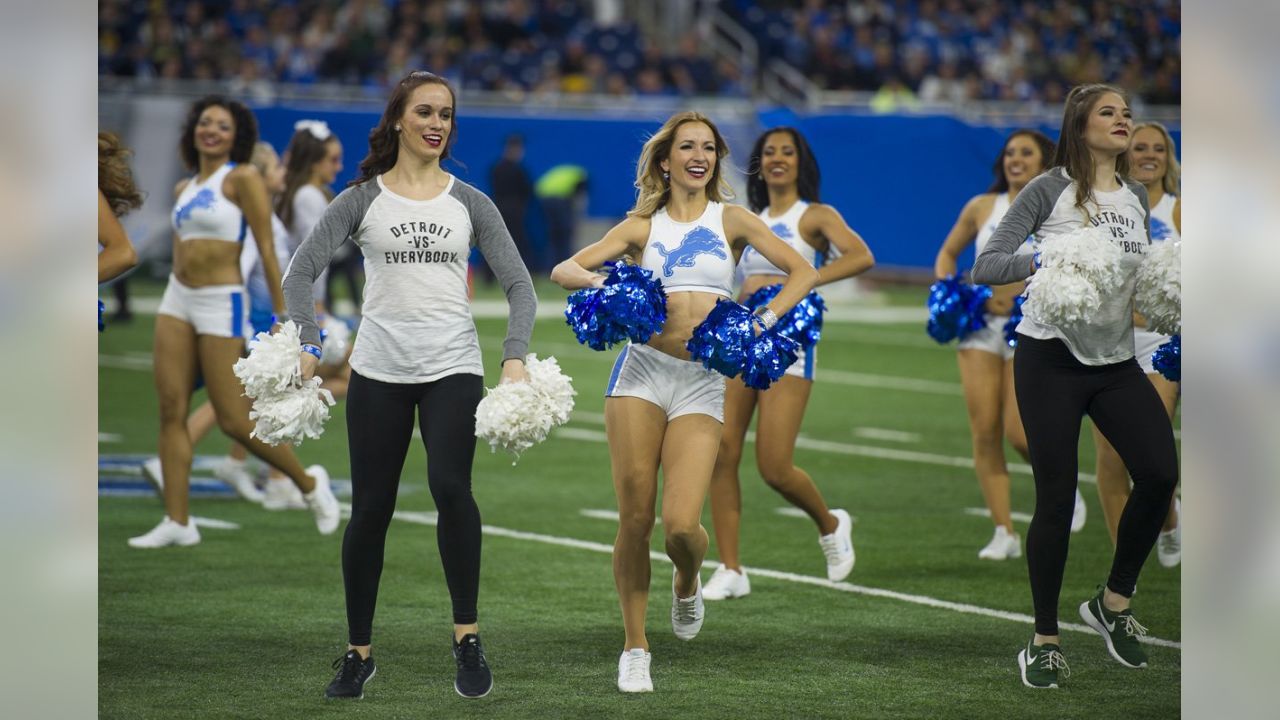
(201, 321)
(1064, 371)
(782, 187)
(984, 357)
(662, 409)
(117, 195)
(1153, 161)
(417, 356)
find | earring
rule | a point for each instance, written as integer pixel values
(397, 127)
(666, 175)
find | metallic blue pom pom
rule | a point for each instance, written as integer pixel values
(956, 309)
(726, 343)
(768, 357)
(100, 323)
(802, 323)
(720, 341)
(1015, 317)
(1167, 359)
(631, 306)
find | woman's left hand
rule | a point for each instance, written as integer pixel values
(513, 371)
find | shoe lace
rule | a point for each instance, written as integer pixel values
(637, 667)
(470, 656)
(348, 667)
(831, 548)
(1132, 627)
(687, 609)
(1054, 660)
(1169, 542)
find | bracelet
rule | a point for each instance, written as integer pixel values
(313, 349)
(766, 318)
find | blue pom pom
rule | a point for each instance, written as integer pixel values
(1167, 359)
(768, 357)
(101, 325)
(631, 306)
(1015, 317)
(956, 309)
(726, 343)
(802, 323)
(720, 341)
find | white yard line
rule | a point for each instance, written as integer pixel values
(983, 512)
(214, 523)
(610, 515)
(964, 608)
(871, 433)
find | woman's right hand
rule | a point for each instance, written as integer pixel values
(309, 364)
(944, 267)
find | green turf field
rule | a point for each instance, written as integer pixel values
(246, 623)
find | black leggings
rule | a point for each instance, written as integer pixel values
(1055, 391)
(379, 426)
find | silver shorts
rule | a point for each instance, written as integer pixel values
(1145, 344)
(679, 387)
(220, 310)
(990, 338)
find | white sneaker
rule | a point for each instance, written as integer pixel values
(688, 613)
(1003, 545)
(235, 473)
(152, 472)
(726, 583)
(1169, 544)
(633, 671)
(282, 494)
(322, 502)
(168, 533)
(838, 547)
(1079, 514)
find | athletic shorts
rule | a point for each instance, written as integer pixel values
(990, 338)
(1145, 344)
(803, 367)
(679, 387)
(218, 310)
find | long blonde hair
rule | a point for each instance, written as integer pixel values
(652, 188)
(1172, 180)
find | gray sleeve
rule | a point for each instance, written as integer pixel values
(340, 220)
(1140, 191)
(490, 234)
(998, 265)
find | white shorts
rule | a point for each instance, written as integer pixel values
(990, 338)
(803, 367)
(1145, 344)
(219, 310)
(679, 387)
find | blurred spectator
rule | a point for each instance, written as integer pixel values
(512, 190)
(562, 190)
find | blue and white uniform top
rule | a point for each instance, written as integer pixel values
(255, 277)
(998, 209)
(1162, 229)
(692, 256)
(787, 227)
(203, 212)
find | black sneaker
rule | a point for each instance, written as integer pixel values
(353, 673)
(474, 679)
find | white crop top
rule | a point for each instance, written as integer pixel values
(1162, 226)
(203, 212)
(787, 228)
(692, 256)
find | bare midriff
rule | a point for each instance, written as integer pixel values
(685, 310)
(200, 263)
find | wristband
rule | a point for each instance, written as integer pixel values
(312, 349)
(766, 318)
(1035, 259)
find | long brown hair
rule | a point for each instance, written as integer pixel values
(808, 176)
(652, 188)
(304, 151)
(1042, 141)
(1073, 154)
(384, 141)
(115, 178)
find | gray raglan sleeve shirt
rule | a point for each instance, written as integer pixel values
(340, 220)
(998, 264)
(499, 250)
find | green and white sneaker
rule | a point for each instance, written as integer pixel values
(1120, 631)
(1040, 665)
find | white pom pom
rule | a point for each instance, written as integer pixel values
(1158, 294)
(293, 415)
(517, 416)
(336, 341)
(1077, 269)
(285, 409)
(272, 365)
